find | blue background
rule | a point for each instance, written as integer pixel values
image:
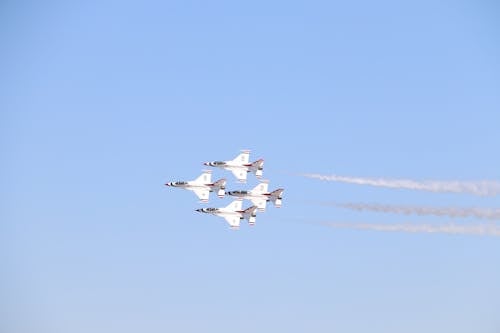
(102, 102)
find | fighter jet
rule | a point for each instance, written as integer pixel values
(259, 196)
(202, 186)
(240, 166)
(233, 213)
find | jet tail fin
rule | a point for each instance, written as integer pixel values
(250, 215)
(220, 186)
(257, 167)
(276, 196)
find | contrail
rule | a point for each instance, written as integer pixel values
(482, 187)
(482, 213)
(478, 229)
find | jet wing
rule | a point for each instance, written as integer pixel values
(204, 178)
(240, 174)
(202, 194)
(242, 158)
(234, 221)
(260, 203)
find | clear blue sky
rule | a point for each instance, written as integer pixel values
(102, 102)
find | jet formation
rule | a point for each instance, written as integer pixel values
(233, 213)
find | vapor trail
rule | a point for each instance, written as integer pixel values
(478, 229)
(482, 213)
(482, 187)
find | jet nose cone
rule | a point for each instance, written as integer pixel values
(206, 163)
(198, 210)
(168, 184)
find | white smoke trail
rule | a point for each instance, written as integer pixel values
(482, 213)
(482, 187)
(477, 229)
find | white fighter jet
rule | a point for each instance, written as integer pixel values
(240, 166)
(202, 186)
(232, 213)
(259, 196)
